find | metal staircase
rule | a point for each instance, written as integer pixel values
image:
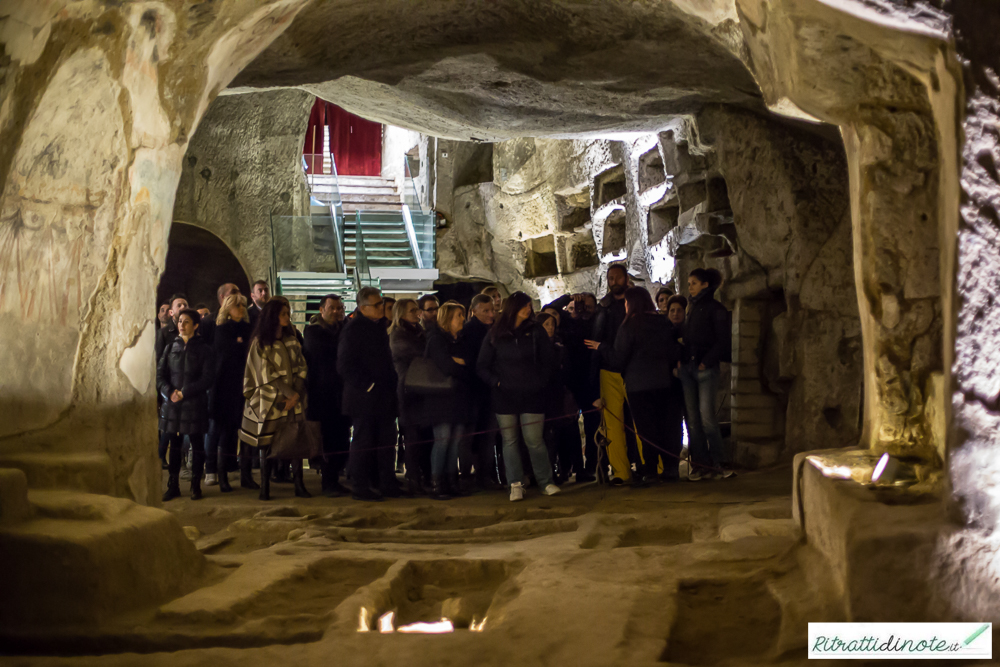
(361, 231)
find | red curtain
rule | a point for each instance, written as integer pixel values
(313, 149)
(356, 143)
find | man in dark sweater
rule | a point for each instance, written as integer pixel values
(482, 450)
(707, 342)
(607, 322)
(364, 361)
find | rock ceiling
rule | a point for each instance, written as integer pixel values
(510, 68)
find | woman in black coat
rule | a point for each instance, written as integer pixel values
(562, 433)
(452, 411)
(407, 340)
(230, 344)
(516, 362)
(184, 376)
(647, 351)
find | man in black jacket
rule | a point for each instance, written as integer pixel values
(164, 337)
(707, 341)
(364, 362)
(326, 390)
(483, 450)
(607, 322)
(260, 294)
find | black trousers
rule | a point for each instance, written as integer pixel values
(417, 444)
(225, 437)
(175, 443)
(336, 430)
(373, 451)
(486, 448)
(649, 413)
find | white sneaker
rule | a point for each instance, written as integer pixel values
(551, 489)
(695, 476)
(211, 480)
(516, 492)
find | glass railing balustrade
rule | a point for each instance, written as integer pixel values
(294, 243)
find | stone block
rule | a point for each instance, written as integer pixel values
(754, 401)
(748, 328)
(751, 431)
(83, 471)
(866, 534)
(745, 385)
(744, 371)
(14, 505)
(744, 416)
(85, 558)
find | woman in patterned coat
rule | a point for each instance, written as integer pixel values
(274, 385)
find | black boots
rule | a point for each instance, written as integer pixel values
(438, 490)
(300, 486)
(247, 459)
(223, 469)
(265, 474)
(174, 466)
(197, 468)
(454, 487)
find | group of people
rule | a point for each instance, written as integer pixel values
(488, 397)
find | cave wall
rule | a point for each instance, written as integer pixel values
(244, 165)
(766, 202)
(98, 107)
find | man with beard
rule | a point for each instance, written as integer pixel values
(607, 322)
(260, 294)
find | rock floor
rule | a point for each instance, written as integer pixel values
(707, 573)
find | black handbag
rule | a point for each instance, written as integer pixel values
(424, 377)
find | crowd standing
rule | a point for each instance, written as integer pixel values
(459, 400)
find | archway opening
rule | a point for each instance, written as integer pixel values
(197, 263)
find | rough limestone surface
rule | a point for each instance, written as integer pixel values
(243, 167)
(508, 69)
(98, 107)
(765, 202)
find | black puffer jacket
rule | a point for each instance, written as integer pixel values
(326, 388)
(707, 331)
(364, 361)
(408, 341)
(518, 367)
(232, 341)
(189, 367)
(455, 407)
(647, 351)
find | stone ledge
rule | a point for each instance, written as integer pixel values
(879, 543)
(89, 472)
(83, 558)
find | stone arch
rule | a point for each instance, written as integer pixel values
(198, 262)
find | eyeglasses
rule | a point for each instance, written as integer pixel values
(376, 304)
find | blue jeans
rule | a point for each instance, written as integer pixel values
(532, 428)
(701, 390)
(444, 455)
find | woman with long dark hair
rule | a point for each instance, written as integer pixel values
(647, 351)
(183, 378)
(231, 341)
(274, 385)
(516, 362)
(408, 340)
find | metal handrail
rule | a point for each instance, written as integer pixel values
(412, 236)
(361, 270)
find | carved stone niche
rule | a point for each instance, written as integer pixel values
(609, 186)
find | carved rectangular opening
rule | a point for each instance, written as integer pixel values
(660, 221)
(690, 195)
(582, 253)
(540, 259)
(614, 233)
(573, 211)
(718, 195)
(610, 185)
(651, 172)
